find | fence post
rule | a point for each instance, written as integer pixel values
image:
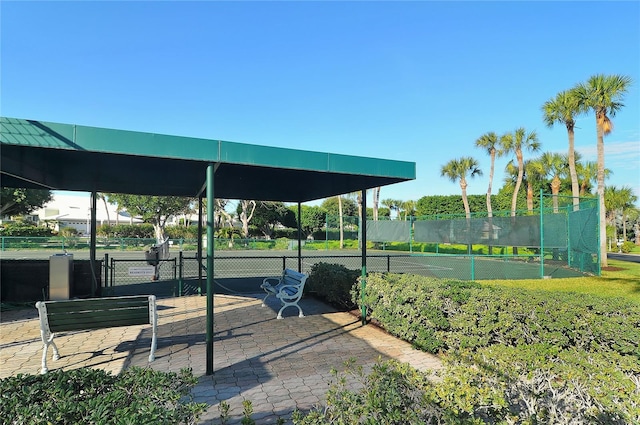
(410, 234)
(180, 274)
(106, 272)
(2, 242)
(388, 263)
(473, 267)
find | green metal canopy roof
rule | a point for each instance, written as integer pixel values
(73, 157)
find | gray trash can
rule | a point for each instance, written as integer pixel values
(60, 276)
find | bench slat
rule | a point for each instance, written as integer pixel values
(95, 304)
(64, 322)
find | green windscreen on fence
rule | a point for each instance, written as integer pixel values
(386, 231)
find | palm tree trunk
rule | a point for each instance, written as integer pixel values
(600, 179)
(376, 200)
(514, 198)
(467, 212)
(555, 189)
(489, 208)
(575, 187)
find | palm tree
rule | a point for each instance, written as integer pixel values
(602, 94)
(554, 165)
(392, 204)
(534, 172)
(587, 175)
(616, 202)
(562, 109)
(409, 208)
(515, 143)
(490, 143)
(456, 170)
(103, 197)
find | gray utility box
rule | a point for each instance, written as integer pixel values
(60, 276)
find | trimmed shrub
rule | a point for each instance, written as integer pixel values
(443, 315)
(20, 228)
(333, 283)
(94, 396)
(470, 390)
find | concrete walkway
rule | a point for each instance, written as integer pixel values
(279, 365)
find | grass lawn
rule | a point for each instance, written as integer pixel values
(622, 279)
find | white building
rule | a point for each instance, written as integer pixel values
(75, 211)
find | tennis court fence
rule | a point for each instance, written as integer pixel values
(184, 268)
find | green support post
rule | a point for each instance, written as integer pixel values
(363, 233)
(210, 243)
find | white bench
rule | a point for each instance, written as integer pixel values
(94, 313)
(287, 288)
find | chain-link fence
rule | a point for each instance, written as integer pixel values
(555, 240)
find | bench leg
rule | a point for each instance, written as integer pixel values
(264, 301)
(154, 342)
(300, 314)
(56, 355)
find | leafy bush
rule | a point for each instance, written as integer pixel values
(518, 356)
(93, 396)
(20, 228)
(627, 247)
(182, 232)
(442, 315)
(472, 391)
(144, 230)
(333, 283)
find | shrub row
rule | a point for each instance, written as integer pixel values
(469, 391)
(332, 283)
(443, 315)
(94, 396)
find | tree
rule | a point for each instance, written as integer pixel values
(439, 205)
(152, 209)
(554, 165)
(515, 143)
(562, 109)
(392, 205)
(376, 200)
(103, 198)
(490, 143)
(20, 201)
(246, 208)
(339, 206)
(408, 208)
(313, 218)
(617, 201)
(602, 94)
(456, 170)
(267, 215)
(587, 175)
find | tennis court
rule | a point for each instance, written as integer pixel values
(241, 272)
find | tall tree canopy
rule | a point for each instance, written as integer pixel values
(152, 209)
(21, 201)
(602, 94)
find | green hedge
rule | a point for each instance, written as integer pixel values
(473, 391)
(333, 283)
(442, 315)
(94, 396)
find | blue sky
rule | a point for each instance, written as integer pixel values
(414, 81)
